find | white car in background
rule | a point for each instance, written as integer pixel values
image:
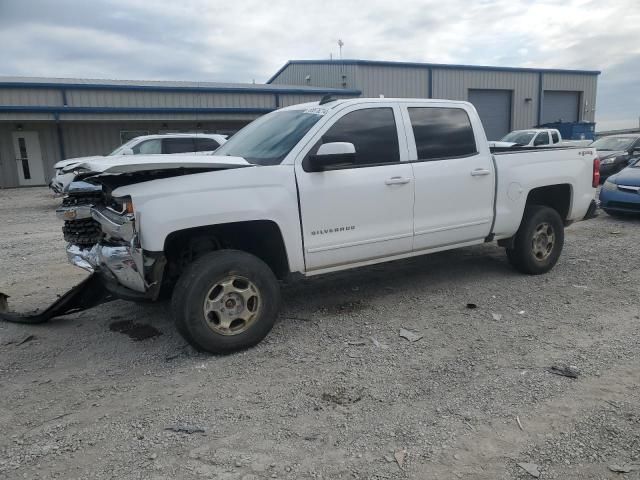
(161, 144)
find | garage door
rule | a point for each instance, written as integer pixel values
(560, 106)
(494, 108)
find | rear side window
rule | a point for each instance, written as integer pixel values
(206, 144)
(442, 132)
(178, 145)
(372, 131)
(148, 147)
(541, 139)
(554, 137)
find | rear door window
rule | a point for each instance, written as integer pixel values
(541, 139)
(178, 145)
(442, 133)
(555, 138)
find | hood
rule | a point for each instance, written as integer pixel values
(629, 176)
(602, 154)
(141, 163)
(75, 161)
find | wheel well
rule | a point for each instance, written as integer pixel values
(557, 197)
(261, 238)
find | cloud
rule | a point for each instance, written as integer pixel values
(249, 39)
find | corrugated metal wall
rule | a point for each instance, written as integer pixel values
(448, 83)
(330, 76)
(400, 82)
(455, 85)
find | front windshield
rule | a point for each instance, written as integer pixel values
(613, 143)
(267, 140)
(118, 151)
(523, 138)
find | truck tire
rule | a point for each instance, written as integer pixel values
(538, 242)
(225, 301)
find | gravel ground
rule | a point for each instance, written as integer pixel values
(334, 391)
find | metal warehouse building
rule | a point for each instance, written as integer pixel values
(45, 120)
(506, 98)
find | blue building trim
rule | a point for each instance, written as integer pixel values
(127, 110)
(540, 96)
(383, 63)
(165, 88)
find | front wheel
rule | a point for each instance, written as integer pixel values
(538, 242)
(225, 301)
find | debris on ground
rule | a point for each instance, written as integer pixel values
(188, 429)
(531, 468)
(400, 456)
(496, 316)
(409, 335)
(356, 343)
(626, 468)
(472, 306)
(519, 424)
(378, 344)
(570, 371)
(521, 312)
(615, 232)
(4, 305)
(21, 341)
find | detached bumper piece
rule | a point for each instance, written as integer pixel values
(89, 293)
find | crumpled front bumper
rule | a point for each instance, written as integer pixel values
(122, 263)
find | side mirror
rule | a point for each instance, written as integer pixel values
(334, 154)
(126, 151)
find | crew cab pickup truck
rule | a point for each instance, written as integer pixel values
(537, 137)
(312, 189)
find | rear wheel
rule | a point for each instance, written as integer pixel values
(225, 301)
(538, 242)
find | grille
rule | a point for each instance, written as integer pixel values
(84, 199)
(83, 233)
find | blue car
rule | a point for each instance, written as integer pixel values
(620, 193)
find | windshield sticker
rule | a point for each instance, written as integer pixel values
(316, 111)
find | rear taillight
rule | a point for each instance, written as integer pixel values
(596, 173)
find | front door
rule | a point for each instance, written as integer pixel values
(362, 211)
(454, 176)
(26, 146)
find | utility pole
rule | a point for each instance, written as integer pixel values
(340, 44)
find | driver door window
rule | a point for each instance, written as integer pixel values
(148, 147)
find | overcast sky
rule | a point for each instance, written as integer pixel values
(238, 41)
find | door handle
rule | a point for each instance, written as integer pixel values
(397, 181)
(478, 172)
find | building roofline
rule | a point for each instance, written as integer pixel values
(259, 89)
(385, 63)
(61, 110)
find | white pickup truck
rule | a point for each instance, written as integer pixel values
(311, 189)
(537, 137)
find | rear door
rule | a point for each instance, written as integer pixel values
(454, 175)
(363, 211)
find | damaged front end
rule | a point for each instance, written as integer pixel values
(103, 239)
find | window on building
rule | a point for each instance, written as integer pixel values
(178, 145)
(372, 131)
(148, 147)
(206, 144)
(442, 132)
(126, 135)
